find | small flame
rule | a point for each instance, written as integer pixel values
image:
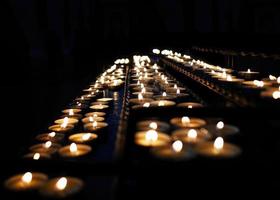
(71, 112)
(177, 146)
(140, 97)
(52, 134)
(220, 125)
(178, 91)
(161, 103)
(91, 119)
(272, 78)
(192, 134)
(248, 71)
(27, 177)
(164, 94)
(65, 122)
(48, 144)
(73, 148)
(86, 136)
(229, 78)
(94, 124)
(185, 120)
(278, 80)
(151, 136)
(143, 90)
(146, 105)
(219, 143)
(36, 156)
(175, 86)
(258, 83)
(153, 125)
(190, 106)
(276, 94)
(61, 183)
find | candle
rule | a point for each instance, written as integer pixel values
(140, 99)
(92, 119)
(99, 107)
(82, 137)
(175, 151)
(26, 181)
(230, 79)
(53, 137)
(99, 103)
(61, 128)
(97, 114)
(162, 103)
(74, 150)
(218, 149)
(152, 124)
(95, 126)
(186, 122)
(62, 187)
(190, 105)
(47, 147)
(151, 138)
(248, 74)
(222, 129)
(256, 84)
(71, 111)
(37, 156)
(66, 120)
(191, 136)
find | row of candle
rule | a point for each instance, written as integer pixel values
(268, 86)
(93, 124)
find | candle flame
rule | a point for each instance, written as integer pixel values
(151, 135)
(140, 97)
(220, 125)
(61, 183)
(192, 134)
(161, 103)
(185, 120)
(278, 80)
(48, 144)
(177, 146)
(258, 83)
(94, 124)
(175, 86)
(36, 156)
(52, 134)
(65, 122)
(143, 90)
(91, 119)
(153, 125)
(86, 136)
(276, 94)
(73, 148)
(219, 143)
(178, 91)
(164, 94)
(190, 106)
(229, 78)
(272, 78)
(27, 177)
(71, 112)
(248, 71)
(146, 105)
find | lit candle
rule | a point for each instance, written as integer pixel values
(71, 111)
(105, 100)
(191, 136)
(151, 138)
(190, 105)
(82, 137)
(155, 125)
(95, 114)
(47, 148)
(37, 156)
(95, 126)
(53, 137)
(61, 128)
(218, 149)
(92, 119)
(140, 99)
(26, 181)
(162, 103)
(99, 107)
(186, 122)
(74, 150)
(66, 120)
(62, 187)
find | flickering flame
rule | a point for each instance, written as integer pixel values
(142, 85)
(140, 97)
(153, 125)
(86, 136)
(94, 124)
(115, 82)
(175, 86)
(248, 71)
(138, 82)
(143, 90)
(52, 134)
(219, 143)
(161, 103)
(272, 78)
(73, 148)
(36, 156)
(177, 146)
(151, 136)
(65, 122)
(164, 94)
(220, 125)
(192, 134)
(229, 78)
(156, 51)
(185, 120)
(258, 83)
(178, 91)
(91, 119)
(71, 112)
(190, 106)
(146, 105)
(276, 94)
(61, 183)
(48, 144)
(278, 80)
(27, 177)
(224, 74)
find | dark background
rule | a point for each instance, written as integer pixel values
(50, 49)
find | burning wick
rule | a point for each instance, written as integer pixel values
(220, 125)
(71, 112)
(94, 124)
(175, 86)
(86, 136)
(177, 146)
(151, 136)
(91, 119)
(178, 91)
(65, 122)
(185, 120)
(190, 106)
(248, 71)
(36, 156)
(73, 148)
(218, 144)
(229, 78)
(164, 94)
(61, 183)
(153, 125)
(48, 144)
(192, 134)
(27, 177)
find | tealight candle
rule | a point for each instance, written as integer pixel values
(74, 150)
(152, 124)
(151, 138)
(222, 129)
(92, 119)
(61, 128)
(162, 103)
(218, 149)
(99, 107)
(191, 136)
(256, 84)
(186, 122)
(53, 137)
(37, 156)
(47, 147)
(190, 105)
(62, 187)
(97, 114)
(71, 111)
(82, 137)
(66, 120)
(175, 151)
(99, 103)
(26, 181)
(95, 126)
(105, 99)
(248, 73)
(140, 99)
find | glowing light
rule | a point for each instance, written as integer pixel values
(36, 156)
(248, 71)
(220, 125)
(164, 94)
(52, 134)
(276, 95)
(146, 105)
(61, 183)
(27, 177)
(192, 134)
(71, 112)
(219, 143)
(86, 136)
(48, 144)
(161, 103)
(153, 125)
(151, 136)
(140, 97)
(177, 146)
(73, 148)
(185, 120)
(94, 124)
